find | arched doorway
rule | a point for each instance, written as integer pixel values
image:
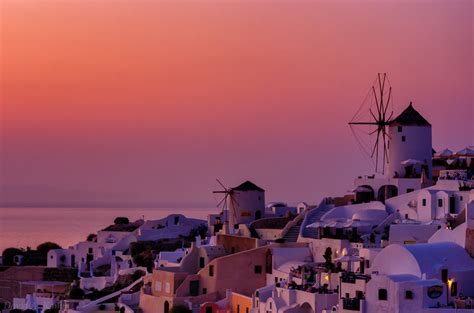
(386, 192)
(306, 308)
(166, 307)
(364, 193)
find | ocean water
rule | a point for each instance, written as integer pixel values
(23, 227)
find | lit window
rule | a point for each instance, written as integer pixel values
(158, 286)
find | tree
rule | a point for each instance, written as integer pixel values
(328, 257)
(8, 255)
(76, 293)
(137, 275)
(44, 248)
(92, 237)
(180, 309)
(121, 220)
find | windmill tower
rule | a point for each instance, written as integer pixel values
(406, 137)
(409, 139)
(242, 204)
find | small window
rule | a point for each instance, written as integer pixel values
(423, 202)
(347, 295)
(399, 128)
(383, 294)
(270, 305)
(454, 289)
(367, 263)
(444, 275)
(204, 291)
(246, 310)
(211, 270)
(410, 190)
(258, 269)
(406, 216)
(408, 294)
(232, 250)
(440, 202)
(238, 308)
(276, 280)
(403, 138)
(460, 198)
(90, 250)
(208, 309)
(201, 262)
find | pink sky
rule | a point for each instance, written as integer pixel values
(138, 102)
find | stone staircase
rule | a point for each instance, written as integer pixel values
(313, 216)
(293, 233)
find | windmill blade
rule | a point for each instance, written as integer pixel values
(388, 100)
(374, 131)
(390, 117)
(222, 200)
(222, 185)
(381, 88)
(234, 202)
(386, 137)
(373, 115)
(363, 146)
(376, 145)
(376, 102)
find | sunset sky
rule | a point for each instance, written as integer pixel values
(147, 102)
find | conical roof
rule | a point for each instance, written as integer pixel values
(247, 186)
(410, 117)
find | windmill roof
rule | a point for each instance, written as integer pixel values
(247, 186)
(410, 117)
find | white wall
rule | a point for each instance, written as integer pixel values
(417, 145)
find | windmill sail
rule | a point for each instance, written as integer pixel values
(372, 119)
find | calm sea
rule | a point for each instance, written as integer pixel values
(22, 227)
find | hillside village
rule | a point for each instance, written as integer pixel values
(398, 242)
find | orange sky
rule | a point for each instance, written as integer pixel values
(149, 101)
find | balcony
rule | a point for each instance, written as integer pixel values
(351, 304)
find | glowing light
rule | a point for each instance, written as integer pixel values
(326, 277)
(450, 282)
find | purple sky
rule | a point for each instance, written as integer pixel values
(146, 103)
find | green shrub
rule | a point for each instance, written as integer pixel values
(76, 293)
(8, 255)
(44, 248)
(121, 220)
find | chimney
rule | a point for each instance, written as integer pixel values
(470, 228)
